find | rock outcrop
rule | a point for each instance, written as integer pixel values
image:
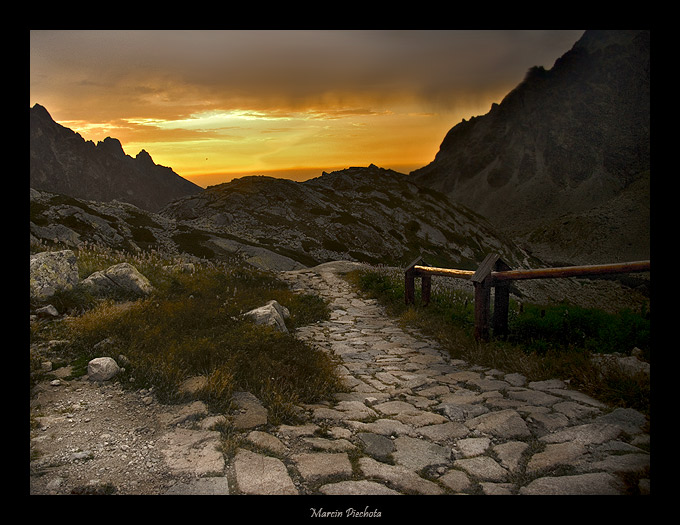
(271, 314)
(51, 272)
(366, 214)
(54, 271)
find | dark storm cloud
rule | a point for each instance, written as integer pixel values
(286, 68)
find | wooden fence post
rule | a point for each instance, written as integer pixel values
(410, 286)
(482, 298)
(426, 289)
(482, 283)
(501, 303)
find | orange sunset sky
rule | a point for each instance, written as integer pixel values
(214, 105)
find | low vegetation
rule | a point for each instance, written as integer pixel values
(545, 342)
(192, 325)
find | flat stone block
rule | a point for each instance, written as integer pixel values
(217, 486)
(317, 466)
(417, 454)
(258, 474)
(482, 468)
(600, 483)
(357, 488)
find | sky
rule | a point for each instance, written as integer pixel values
(214, 105)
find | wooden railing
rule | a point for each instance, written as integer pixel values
(495, 273)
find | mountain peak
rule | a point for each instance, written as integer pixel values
(144, 158)
(37, 109)
(63, 162)
(111, 146)
(564, 141)
(598, 39)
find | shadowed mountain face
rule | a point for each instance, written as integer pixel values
(563, 162)
(63, 162)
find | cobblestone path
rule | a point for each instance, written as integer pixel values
(418, 422)
(413, 422)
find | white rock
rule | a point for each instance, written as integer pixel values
(47, 311)
(271, 314)
(121, 276)
(102, 369)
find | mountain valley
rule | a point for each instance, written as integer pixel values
(164, 282)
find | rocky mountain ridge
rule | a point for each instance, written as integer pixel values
(566, 152)
(366, 214)
(63, 162)
(362, 214)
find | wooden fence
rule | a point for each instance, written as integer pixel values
(495, 273)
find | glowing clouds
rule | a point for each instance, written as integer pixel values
(233, 101)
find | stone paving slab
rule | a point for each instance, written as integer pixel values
(260, 474)
(316, 466)
(214, 486)
(193, 452)
(357, 488)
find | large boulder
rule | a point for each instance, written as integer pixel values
(271, 314)
(51, 272)
(121, 277)
(102, 369)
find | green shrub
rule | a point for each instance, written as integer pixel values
(568, 326)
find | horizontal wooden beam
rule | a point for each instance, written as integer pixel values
(572, 271)
(542, 273)
(447, 272)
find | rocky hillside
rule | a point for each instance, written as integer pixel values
(280, 225)
(63, 162)
(62, 221)
(363, 214)
(562, 162)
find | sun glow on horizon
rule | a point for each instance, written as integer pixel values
(214, 146)
(206, 103)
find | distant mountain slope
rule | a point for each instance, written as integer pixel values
(367, 214)
(63, 162)
(560, 151)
